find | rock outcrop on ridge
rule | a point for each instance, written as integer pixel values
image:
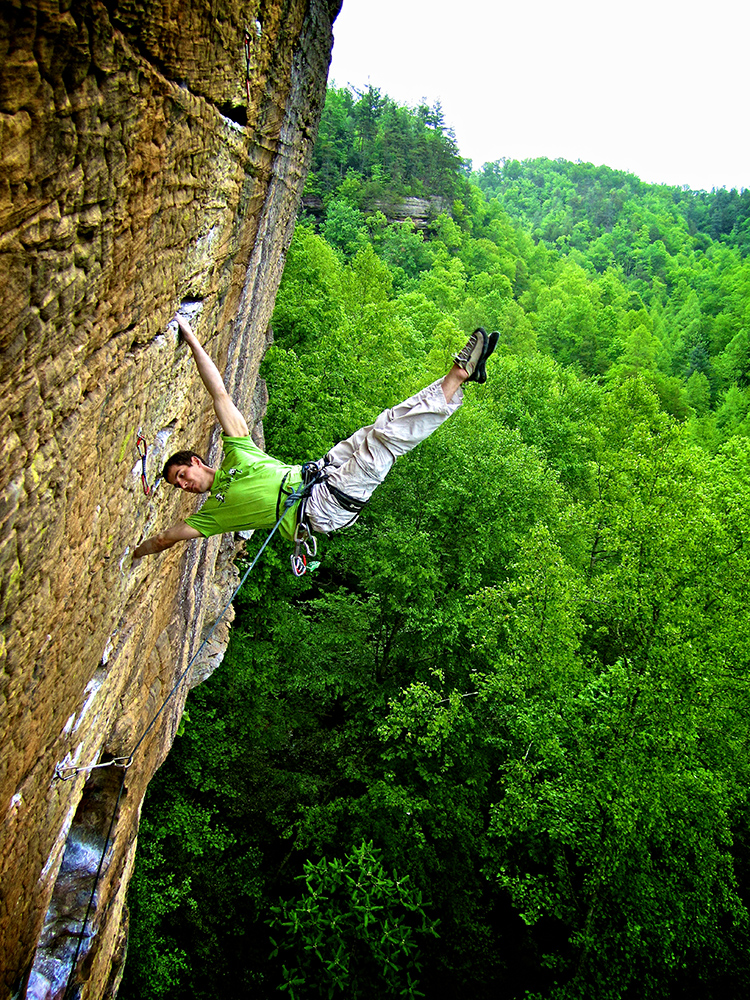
(151, 154)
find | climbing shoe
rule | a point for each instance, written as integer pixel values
(480, 375)
(470, 357)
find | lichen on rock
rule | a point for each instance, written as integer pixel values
(150, 155)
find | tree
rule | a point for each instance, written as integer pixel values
(698, 393)
(353, 926)
(344, 227)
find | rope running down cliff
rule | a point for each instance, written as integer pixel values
(125, 762)
(67, 772)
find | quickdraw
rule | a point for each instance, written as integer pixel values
(305, 544)
(142, 447)
(248, 45)
(66, 772)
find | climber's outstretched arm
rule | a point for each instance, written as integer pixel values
(230, 418)
(181, 532)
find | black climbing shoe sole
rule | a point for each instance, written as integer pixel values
(480, 374)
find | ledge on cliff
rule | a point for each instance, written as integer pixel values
(421, 211)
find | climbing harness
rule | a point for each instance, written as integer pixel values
(305, 543)
(142, 447)
(351, 504)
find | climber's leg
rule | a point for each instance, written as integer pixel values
(356, 466)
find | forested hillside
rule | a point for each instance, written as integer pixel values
(584, 203)
(498, 743)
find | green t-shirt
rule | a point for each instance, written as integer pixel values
(245, 492)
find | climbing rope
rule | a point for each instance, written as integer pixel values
(124, 762)
(65, 772)
(97, 876)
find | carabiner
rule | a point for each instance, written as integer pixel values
(305, 538)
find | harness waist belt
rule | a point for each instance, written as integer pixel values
(312, 476)
(347, 503)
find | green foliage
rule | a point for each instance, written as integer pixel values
(558, 198)
(353, 926)
(619, 775)
(309, 302)
(344, 227)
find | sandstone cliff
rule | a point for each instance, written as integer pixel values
(151, 154)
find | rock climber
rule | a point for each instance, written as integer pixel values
(249, 488)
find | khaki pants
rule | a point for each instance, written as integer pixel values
(359, 464)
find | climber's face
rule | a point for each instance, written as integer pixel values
(193, 478)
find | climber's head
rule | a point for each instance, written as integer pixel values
(187, 471)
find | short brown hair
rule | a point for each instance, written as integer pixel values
(179, 458)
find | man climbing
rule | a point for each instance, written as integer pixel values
(250, 488)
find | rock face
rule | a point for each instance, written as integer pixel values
(421, 211)
(151, 154)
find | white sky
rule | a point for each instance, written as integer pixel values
(656, 87)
